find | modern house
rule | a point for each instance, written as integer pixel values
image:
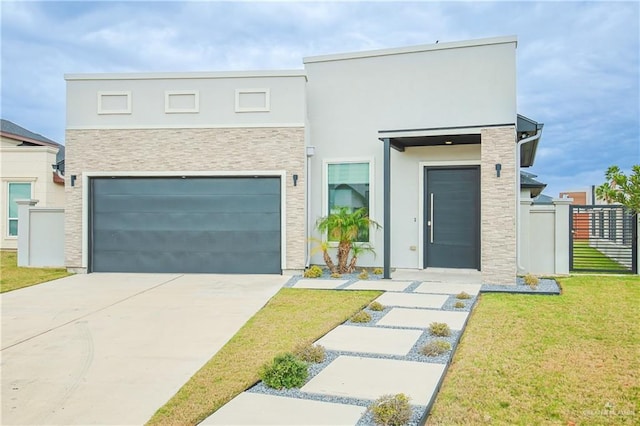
(31, 167)
(229, 172)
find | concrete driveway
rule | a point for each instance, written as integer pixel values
(113, 348)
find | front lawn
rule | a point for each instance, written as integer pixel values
(292, 318)
(13, 278)
(569, 359)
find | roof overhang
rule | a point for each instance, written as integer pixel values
(526, 127)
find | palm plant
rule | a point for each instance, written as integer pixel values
(345, 226)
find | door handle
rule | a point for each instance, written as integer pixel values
(431, 218)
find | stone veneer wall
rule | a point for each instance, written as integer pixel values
(215, 150)
(498, 209)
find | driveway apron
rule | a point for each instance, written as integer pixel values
(112, 348)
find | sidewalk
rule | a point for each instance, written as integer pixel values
(366, 361)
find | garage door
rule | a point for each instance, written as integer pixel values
(193, 224)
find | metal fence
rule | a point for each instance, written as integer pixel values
(603, 239)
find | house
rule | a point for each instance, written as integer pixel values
(32, 167)
(229, 171)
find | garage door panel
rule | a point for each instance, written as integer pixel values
(199, 225)
(175, 203)
(185, 222)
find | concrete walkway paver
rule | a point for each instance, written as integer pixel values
(371, 378)
(448, 288)
(259, 409)
(380, 285)
(370, 339)
(113, 348)
(421, 318)
(412, 300)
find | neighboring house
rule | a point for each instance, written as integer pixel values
(229, 172)
(32, 166)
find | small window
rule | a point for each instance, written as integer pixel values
(348, 186)
(17, 191)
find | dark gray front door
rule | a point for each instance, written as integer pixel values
(452, 217)
(193, 224)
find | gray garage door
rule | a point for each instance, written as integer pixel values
(193, 224)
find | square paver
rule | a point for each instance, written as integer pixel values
(421, 318)
(413, 300)
(370, 378)
(385, 285)
(370, 340)
(319, 284)
(448, 288)
(259, 409)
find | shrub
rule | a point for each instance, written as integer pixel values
(378, 271)
(463, 295)
(531, 280)
(313, 272)
(285, 371)
(361, 316)
(459, 304)
(312, 353)
(435, 348)
(439, 329)
(363, 275)
(336, 275)
(391, 410)
(376, 306)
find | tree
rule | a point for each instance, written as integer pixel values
(344, 227)
(622, 189)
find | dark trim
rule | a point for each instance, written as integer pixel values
(445, 128)
(90, 227)
(634, 243)
(386, 224)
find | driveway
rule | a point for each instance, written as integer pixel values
(113, 348)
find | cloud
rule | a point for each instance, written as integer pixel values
(578, 63)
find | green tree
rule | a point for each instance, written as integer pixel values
(344, 227)
(620, 188)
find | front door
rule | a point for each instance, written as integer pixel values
(452, 217)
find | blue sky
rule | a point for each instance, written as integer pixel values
(578, 62)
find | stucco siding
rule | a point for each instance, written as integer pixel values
(498, 206)
(187, 150)
(29, 165)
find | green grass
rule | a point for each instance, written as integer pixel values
(13, 278)
(293, 319)
(587, 257)
(566, 360)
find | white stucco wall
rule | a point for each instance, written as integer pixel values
(30, 164)
(352, 97)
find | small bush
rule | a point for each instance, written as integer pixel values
(312, 353)
(435, 348)
(459, 305)
(376, 306)
(363, 275)
(391, 410)
(313, 272)
(463, 295)
(439, 329)
(361, 316)
(336, 275)
(378, 271)
(285, 371)
(531, 280)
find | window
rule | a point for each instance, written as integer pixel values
(17, 191)
(348, 186)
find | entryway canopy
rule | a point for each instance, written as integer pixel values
(401, 139)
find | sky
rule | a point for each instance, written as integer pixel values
(578, 69)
